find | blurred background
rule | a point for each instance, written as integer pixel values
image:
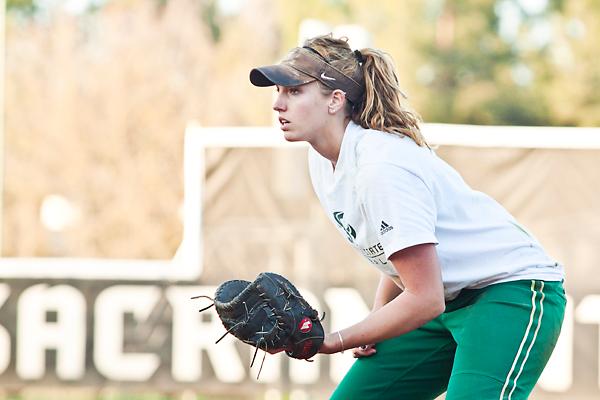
(103, 102)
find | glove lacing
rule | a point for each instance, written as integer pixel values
(245, 321)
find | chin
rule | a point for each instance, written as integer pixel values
(291, 137)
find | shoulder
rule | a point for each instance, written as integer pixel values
(376, 147)
(377, 150)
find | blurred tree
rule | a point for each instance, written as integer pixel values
(477, 72)
(511, 62)
(573, 87)
(96, 107)
(25, 6)
(210, 17)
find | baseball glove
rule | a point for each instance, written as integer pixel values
(269, 314)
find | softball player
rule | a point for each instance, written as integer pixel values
(468, 301)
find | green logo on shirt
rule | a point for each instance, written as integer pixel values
(350, 232)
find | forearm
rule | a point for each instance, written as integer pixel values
(387, 290)
(420, 301)
(401, 315)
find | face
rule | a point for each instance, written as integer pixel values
(302, 111)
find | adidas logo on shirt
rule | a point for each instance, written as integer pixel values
(385, 228)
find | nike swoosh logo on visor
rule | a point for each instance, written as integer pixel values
(323, 76)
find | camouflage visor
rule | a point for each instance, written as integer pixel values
(304, 65)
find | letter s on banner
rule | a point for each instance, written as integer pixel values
(36, 334)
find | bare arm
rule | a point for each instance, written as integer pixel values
(421, 301)
(387, 290)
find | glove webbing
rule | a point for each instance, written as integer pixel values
(238, 324)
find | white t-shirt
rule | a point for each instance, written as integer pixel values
(387, 193)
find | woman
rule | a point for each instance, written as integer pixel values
(468, 302)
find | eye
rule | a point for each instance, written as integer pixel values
(294, 90)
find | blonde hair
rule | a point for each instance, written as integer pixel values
(381, 106)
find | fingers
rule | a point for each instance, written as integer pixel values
(364, 351)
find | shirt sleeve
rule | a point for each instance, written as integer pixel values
(398, 204)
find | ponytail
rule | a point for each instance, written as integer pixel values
(381, 106)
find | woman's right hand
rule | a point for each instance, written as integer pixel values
(364, 351)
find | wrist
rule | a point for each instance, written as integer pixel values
(341, 350)
(332, 343)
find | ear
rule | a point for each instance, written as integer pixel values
(337, 101)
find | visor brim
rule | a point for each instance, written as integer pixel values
(280, 74)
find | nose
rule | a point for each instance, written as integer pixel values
(279, 103)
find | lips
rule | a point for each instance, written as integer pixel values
(284, 122)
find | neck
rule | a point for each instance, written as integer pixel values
(328, 142)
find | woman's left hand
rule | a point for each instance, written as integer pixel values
(364, 351)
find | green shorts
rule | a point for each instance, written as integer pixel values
(490, 343)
